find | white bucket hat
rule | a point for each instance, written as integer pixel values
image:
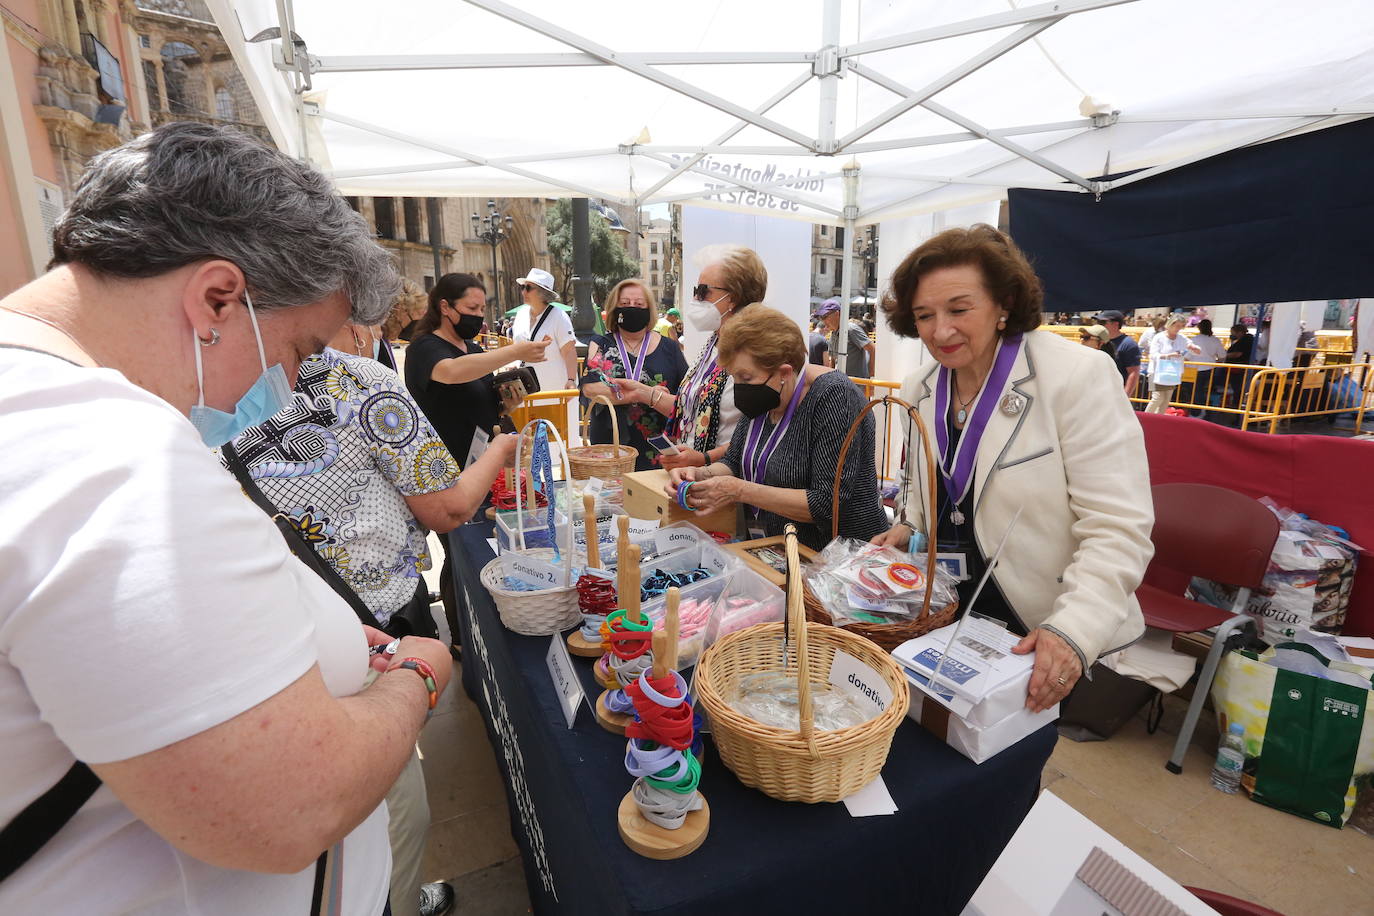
(541, 278)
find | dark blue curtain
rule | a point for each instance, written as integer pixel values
(1284, 221)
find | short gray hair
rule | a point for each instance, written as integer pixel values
(189, 192)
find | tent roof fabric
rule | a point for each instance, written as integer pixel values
(756, 107)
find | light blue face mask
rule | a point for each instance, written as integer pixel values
(376, 348)
(269, 394)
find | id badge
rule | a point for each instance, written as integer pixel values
(955, 563)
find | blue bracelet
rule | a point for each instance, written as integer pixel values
(682, 489)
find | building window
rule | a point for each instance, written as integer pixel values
(839, 236)
(384, 209)
(653, 248)
(653, 280)
(429, 283)
(224, 105)
(145, 41)
(150, 81)
(824, 262)
(411, 207)
(653, 265)
(839, 268)
(825, 232)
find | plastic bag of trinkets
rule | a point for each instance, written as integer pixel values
(858, 582)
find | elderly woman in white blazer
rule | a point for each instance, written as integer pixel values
(1022, 420)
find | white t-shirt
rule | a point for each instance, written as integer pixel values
(1162, 347)
(552, 372)
(1212, 351)
(144, 599)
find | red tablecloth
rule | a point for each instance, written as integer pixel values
(1329, 478)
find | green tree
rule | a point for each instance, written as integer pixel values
(611, 263)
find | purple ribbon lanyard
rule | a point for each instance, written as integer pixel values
(957, 469)
(756, 451)
(638, 362)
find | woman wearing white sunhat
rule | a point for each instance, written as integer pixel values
(539, 318)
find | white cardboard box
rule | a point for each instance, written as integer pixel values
(979, 708)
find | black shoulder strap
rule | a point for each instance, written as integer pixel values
(39, 822)
(294, 542)
(534, 331)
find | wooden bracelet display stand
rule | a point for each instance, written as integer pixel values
(577, 643)
(643, 836)
(627, 594)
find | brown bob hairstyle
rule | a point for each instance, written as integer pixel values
(1007, 276)
(611, 313)
(767, 335)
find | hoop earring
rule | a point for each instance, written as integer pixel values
(214, 339)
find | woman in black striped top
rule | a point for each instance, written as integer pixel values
(781, 461)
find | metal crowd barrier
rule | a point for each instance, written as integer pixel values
(1267, 398)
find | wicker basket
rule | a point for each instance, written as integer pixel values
(806, 765)
(603, 460)
(545, 612)
(889, 635)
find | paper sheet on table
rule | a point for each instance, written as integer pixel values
(870, 800)
(491, 542)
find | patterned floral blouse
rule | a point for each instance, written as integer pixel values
(340, 461)
(665, 366)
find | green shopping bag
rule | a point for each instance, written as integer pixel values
(1306, 738)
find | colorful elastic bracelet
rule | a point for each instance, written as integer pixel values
(422, 668)
(904, 574)
(682, 489)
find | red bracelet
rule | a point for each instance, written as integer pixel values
(422, 668)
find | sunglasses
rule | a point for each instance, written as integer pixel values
(526, 287)
(701, 291)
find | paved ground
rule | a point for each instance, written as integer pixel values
(1191, 832)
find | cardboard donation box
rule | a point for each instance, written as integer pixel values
(644, 498)
(978, 703)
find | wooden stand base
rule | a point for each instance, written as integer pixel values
(578, 645)
(655, 842)
(613, 722)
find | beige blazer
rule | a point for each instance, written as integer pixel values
(1074, 458)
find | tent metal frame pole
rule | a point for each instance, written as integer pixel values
(986, 182)
(879, 145)
(299, 68)
(1355, 109)
(470, 157)
(371, 63)
(748, 186)
(777, 97)
(682, 87)
(974, 127)
(851, 213)
(1058, 9)
(827, 71)
(973, 64)
(465, 164)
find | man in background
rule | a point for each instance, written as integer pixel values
(818, 351)
(1125, 350)
(859, 353)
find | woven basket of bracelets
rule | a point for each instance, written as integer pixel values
(603, 461)
(806, 765)
(889, 635)
(539, 611)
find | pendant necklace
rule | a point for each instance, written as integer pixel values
(962, 414)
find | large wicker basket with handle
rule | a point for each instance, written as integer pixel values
(547, 611)
(603, 460)
(890, 635)
(804, 765)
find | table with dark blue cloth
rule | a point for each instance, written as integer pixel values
(761, 855)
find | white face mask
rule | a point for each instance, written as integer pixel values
(702, 315)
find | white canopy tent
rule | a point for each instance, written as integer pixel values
(830, 111)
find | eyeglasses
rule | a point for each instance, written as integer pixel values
(701, 291)
(526, 287)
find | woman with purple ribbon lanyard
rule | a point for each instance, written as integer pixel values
(1023, 420)
(782, 458)
(633, 367)
(704, 416)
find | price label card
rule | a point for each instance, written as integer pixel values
(565, 682)
(533, 571)
(860, 681)
(480, 440)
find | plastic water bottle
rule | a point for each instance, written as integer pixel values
(1230, 759)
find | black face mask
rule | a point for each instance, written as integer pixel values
(754, 399)
(468, 326)
(632, 320)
